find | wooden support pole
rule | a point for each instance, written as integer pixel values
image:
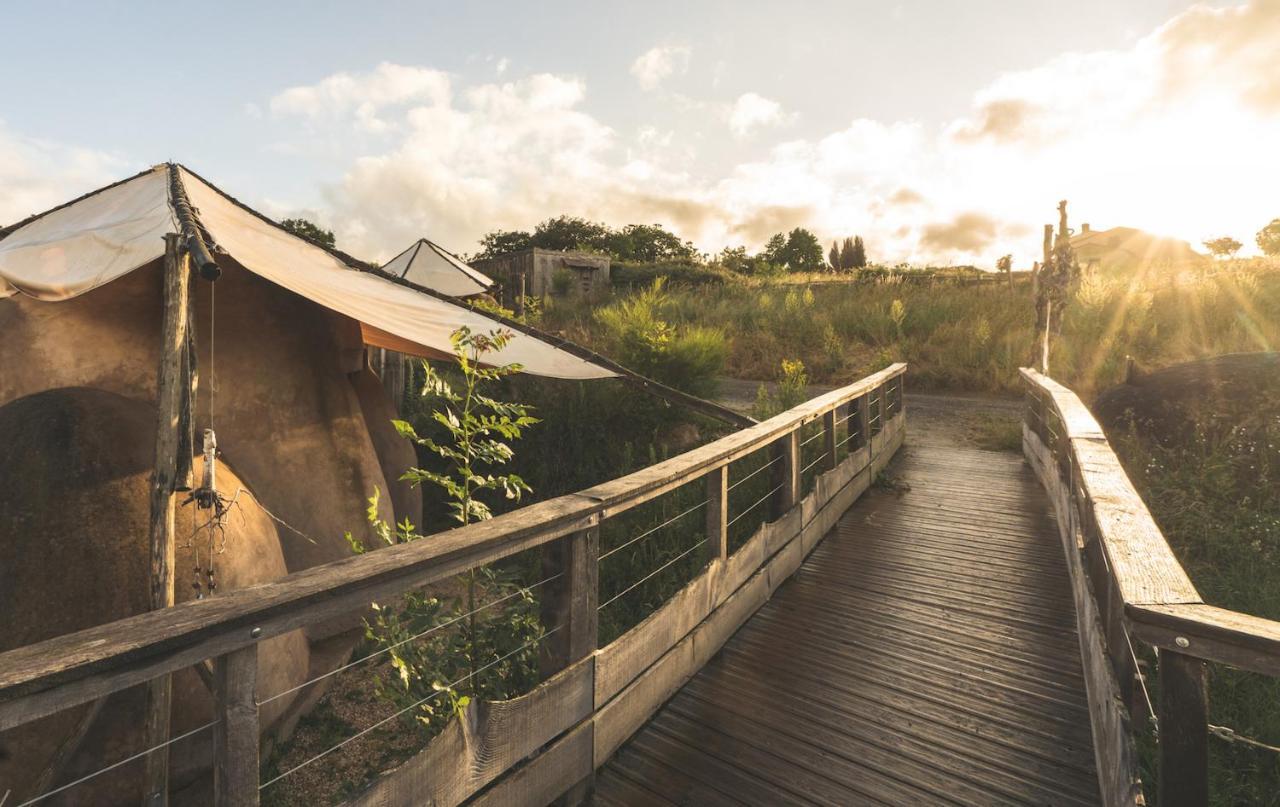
(718, 514)
(1184, 731)
(235, 735)
(569, 602)
(786, 474)
(169, 398)
(860, 411)
(829, 439)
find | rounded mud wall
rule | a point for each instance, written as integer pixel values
(75, 472)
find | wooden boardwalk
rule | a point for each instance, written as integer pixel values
(925, 653)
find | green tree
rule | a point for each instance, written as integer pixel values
(1224, 247)
(310, 231)
(735, 259)
(833, 257)
(1005, 266)
(649, 243)
(1269, 239)
(803, 252)
(567, 233)
(846, 255)
(859, 253)
(775, 250)
(501, 242)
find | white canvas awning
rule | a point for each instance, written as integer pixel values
(100, 237)
(428, 264)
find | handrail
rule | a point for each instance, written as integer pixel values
(1137, 586)
(38, 680)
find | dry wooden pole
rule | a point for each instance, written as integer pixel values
(718, 514)
(169, 401)
(1184, 731)
(235, 736)
(786, 474)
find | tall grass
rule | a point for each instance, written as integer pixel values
(960, 337)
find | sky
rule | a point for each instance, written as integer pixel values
(942, 132)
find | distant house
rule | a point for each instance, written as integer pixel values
(536, 272)
(1130, 248)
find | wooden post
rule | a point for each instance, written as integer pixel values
(570, 601)
(718, 514)
(569, 607)
(862, 418)
(235, 736)
(829, 438)
(786, 474)
(1184, 731)
(169, 399)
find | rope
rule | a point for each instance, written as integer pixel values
(413, 638)
(634, 585)
(115, 765)
(408, 708)
(647, 533)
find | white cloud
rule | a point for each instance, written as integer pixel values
(752, 112)
(1174, 134)
(659, 63)
(36, 175)
(363, 96)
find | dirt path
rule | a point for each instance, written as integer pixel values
(980, 421)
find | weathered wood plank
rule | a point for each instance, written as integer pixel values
(571, 565)
(619, 718)
(1115, 754)
(544, 777)
(490, 738)
(1210, 633)
(717, 516)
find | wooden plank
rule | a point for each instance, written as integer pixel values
(1210, 633)
(628, 656)
(1114, 750)
(619, 718)
(235, 735)
(1184, 733)
(829, 436)
(490, 738)
(544, 777)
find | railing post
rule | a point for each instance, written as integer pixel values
(235, 735)
(829, 438)
(569, 610)
(786, 474)
(863, 406)
(718, 514)
(569, 602)
(1184, 731)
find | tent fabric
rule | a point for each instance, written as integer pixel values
(428, 264)
(93, 241)
(76, 248)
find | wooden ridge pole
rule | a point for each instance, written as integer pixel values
(172, 392)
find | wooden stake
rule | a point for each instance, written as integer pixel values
(170, 396)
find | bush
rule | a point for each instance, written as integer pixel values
(634, 274)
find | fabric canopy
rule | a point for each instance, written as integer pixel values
(428, 264)
(96, 239)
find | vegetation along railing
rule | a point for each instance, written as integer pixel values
(793, 475)
(1128, 587)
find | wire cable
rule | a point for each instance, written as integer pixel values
(647, 533)
(413, 638)
(115, 765)
(408, 708)
(754, 506)
(768, 464)
(636, 584)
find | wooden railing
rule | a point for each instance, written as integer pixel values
(540, 745)
(1130, 588)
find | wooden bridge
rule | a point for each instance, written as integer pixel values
(963, 634)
